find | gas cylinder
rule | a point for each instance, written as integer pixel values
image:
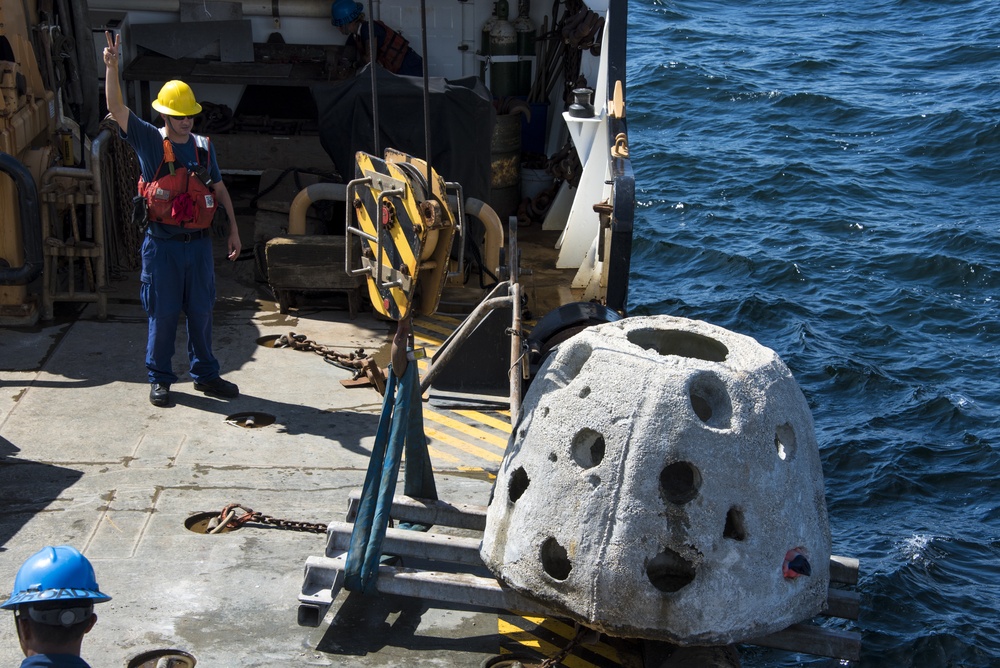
(503, 44)
(524, 27)
(484, 45)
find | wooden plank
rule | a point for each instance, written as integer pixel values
(426, 511)
(843, 604)
(406, 543)
(817, 640)
(844, 570)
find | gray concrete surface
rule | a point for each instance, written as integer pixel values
(687, 464)
(86, 460)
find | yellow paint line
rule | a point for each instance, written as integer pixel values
(427, 340)
(465, 429)
(502, 425)
(546, 648)
(437, 454)
(434, 327)
(459, 444)
(489, 475)
(446, 319)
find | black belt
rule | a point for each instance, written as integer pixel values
(185, 236)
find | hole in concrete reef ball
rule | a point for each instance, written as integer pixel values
(680, 482)
(670, 572)
(701, 408)
(588, 448)
(554, 559)
(710, 400)
(585, 392)
(735, 526)
(553, 457)
(518, 484)
(784, 441)
(682, 344)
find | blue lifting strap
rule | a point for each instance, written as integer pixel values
(400, 428)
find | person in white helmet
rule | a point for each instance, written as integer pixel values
(53, 603)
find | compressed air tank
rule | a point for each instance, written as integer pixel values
(503, 54)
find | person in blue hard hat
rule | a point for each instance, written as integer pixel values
(181, 190)
(392, 51)
(53, 602)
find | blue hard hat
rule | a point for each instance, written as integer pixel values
(59, 573)
(343, 12)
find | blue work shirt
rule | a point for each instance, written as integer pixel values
(54, 661)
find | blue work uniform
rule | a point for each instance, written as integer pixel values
(178, 271)
(54, 661)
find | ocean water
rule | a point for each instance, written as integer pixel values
(825, 177)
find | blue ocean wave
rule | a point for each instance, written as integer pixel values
(821, 176)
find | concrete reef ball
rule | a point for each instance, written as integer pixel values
(662, 475)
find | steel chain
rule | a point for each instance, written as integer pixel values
(300, 342)
(358, 361)
(230, 517)
(581, 632)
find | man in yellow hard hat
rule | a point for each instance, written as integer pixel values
(181, 188)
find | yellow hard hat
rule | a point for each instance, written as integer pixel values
(176, 99)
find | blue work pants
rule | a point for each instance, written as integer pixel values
(178, 276)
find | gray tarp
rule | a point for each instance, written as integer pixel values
(462, 119)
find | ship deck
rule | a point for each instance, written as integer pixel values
(86, 460)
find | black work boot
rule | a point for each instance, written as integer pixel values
(159, 394)
(218, 387)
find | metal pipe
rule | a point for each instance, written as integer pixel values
(447, 350)
(517, 353)
(306, 197)
(289, 8)
(494, 232)
(31, 225)
(351, 229)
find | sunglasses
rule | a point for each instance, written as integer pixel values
(184, 118)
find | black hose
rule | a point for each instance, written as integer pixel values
(31, 223)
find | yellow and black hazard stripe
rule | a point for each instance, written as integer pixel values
(459, 439)
(397, 223)
(545, 637)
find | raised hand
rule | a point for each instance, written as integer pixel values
(112, 50)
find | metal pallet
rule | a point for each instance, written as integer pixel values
(324, 576)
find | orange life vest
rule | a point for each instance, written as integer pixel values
(392, 50)
(176, 196)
